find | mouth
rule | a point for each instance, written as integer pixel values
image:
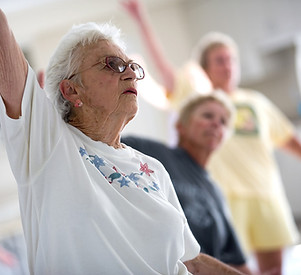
(130, 91)
(212, 134)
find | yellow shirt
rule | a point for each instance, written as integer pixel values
(190, 81)
(245, 166)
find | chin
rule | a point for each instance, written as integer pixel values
(213, 147)
(132, 111)
(134, 108)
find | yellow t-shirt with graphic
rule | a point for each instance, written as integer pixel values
(245, 166)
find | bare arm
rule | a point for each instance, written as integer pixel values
(137, 12)
(244, 269)
(293, 146)
(41, 78)
(13, 70)
(206, 265)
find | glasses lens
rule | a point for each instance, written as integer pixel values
(138, 70)
(116, 64)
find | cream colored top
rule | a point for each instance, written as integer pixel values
(245, 165)
(191, 80)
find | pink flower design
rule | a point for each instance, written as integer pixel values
(144, 168)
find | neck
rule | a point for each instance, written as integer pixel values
(228, 88)
(199, 154)
(106, 129)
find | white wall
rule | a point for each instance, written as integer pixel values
(258, 26)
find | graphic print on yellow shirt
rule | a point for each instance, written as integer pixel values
(246, 122)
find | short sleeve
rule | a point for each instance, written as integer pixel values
(190, 81)
(280, 128)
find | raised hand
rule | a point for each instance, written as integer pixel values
(134, 8)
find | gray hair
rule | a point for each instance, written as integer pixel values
(66, 59)
(210, 41)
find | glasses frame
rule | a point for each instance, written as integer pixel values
(106, 64)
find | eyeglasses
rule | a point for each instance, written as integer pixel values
(117, 65)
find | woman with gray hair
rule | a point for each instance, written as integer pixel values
(89, 204)
(204, 123)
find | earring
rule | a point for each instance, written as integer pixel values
(78, 103)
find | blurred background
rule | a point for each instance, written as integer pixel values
(268, 33)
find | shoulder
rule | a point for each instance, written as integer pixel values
(250, 93)
(249, 96)
(143, 144)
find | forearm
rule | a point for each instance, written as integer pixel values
(139, 14)
(163, 65)
(13, 70)
(244, 269)
(204, 264)
(293, 146)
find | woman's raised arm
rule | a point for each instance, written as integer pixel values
(13, 70)
(166, 70)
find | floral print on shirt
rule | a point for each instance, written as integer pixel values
(111, 173)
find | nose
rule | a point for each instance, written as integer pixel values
(229, 66)
(216, 123)
(129, 73)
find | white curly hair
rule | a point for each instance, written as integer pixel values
(66, 58)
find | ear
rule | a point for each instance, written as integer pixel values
(179, 128)
(68, 90)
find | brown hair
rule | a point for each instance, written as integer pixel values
(212, 41)
(216, 95)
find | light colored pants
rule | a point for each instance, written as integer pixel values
(264, 224)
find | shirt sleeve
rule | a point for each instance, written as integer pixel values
(30, 139)
(280, 128)
(191, 80)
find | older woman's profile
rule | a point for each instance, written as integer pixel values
(89, 204)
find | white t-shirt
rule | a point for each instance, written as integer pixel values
(10, 221)
(86, 207)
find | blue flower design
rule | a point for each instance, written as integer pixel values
(155, 187)
(124, 182)
(98, 161)
(124, 179)
(82, 151)
(133, 177)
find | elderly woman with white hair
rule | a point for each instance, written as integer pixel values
(89, 204)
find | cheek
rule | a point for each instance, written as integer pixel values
(215, 74)
(101, 94)
(197, 129)
(222, 135)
